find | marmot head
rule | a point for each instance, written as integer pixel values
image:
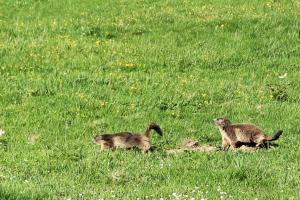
(97, 140)
(221, 122)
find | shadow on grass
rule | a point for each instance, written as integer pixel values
(266, 145)
(12, 195)
(3, 144)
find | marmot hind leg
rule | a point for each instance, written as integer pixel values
(225, 144)
(145, 147)
(236, 144)
(259, 141)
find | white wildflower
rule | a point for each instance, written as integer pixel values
(283, 76)
(2, 132)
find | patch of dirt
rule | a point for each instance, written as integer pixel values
(192, 145)
(246, 148)
(32, 138)
(195, 146)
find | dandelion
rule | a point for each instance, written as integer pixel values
(98, 42)
(103, 103)
(129, 65)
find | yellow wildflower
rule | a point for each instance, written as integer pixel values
(129, 64)
(184, 81)
(103, 103)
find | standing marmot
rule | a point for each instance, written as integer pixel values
(236, 135)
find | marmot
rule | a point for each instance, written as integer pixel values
(127, 140)
(236, 135)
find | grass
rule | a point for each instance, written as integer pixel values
(72, 69)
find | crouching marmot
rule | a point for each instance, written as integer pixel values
(127, 140)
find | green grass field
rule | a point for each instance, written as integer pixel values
(73, 69)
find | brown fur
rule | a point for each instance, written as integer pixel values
(127, 140)
(236, 135)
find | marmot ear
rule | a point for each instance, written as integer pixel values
(226, 120)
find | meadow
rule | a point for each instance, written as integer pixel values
(76, 68)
